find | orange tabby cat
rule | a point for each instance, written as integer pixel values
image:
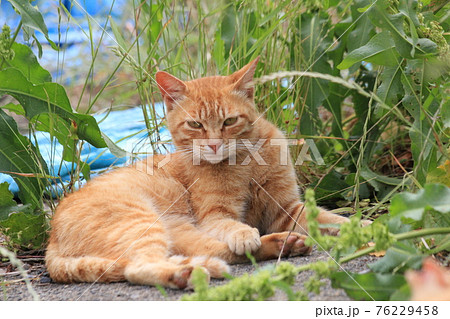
(152, 223)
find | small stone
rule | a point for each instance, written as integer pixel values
(45, 280)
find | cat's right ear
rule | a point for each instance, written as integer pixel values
(243, 79)
(172, 89)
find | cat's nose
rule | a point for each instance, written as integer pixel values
(215, 146)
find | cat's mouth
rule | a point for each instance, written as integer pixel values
(215, 154)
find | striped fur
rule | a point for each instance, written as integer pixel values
(152, 225)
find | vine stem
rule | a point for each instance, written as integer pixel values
(13, 39)
(402, 236)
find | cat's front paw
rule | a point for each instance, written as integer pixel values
(282, 244)
(242, 240)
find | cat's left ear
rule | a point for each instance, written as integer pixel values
(243, 79)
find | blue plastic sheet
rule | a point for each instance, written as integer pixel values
(126, 127)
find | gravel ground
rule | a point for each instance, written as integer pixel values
(15, 289)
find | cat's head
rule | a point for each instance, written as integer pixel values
(210, 114)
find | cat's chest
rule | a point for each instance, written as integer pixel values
(230, 176)
(231, 182)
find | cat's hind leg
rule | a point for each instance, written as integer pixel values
(215, 266)
(149, 262)
(164, 273)
(148, 266)
(83, 268)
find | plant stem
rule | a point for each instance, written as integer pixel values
(423, 232)
(13, 39)
(357, 254)
(403, 236)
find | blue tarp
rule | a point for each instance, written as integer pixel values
(126, 127)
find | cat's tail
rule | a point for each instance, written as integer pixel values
(82, 269)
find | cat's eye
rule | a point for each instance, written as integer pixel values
(194, 124)
(230, 121)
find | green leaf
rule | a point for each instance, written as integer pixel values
(228, 29)
(434, 219)
(440, 174)
(25, 61)
(398, 259)
(15, 108)
(333, 103)
(64, 133)
(6, 200)
(331, 186)
(432, 196)
(423, 144)
(379, 50)
(446, 114)
(315, 40)
(368, 174)
(364, 9)
(363, 192)
(114, 148)
(59, 128)
(20, 159)
(118, 34)
(31, 17)
(218, 52)
(6, 197)
(395, 225)
(367, 286)
(273, 14)
(406, 46)
(49, 98)
(391, 89)
(401, 294)
(408, 9)
(39, 45)
(382, 184)
(8, 208)
(25, 229)
(363, 26)
(154, 13)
